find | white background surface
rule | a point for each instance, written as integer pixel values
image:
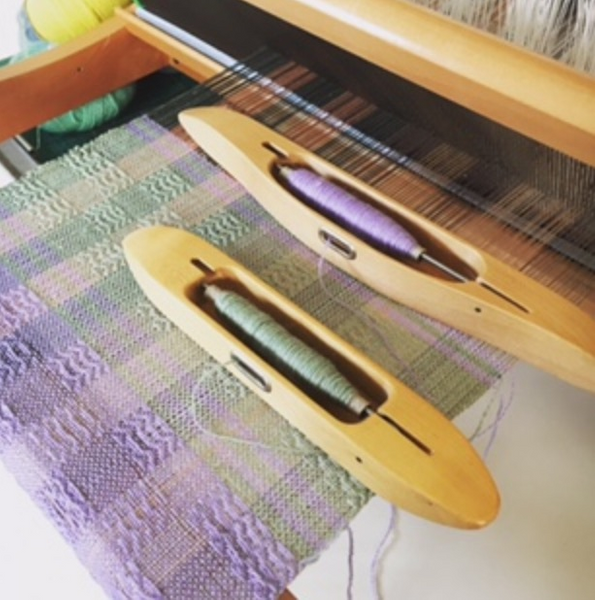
(542, 546)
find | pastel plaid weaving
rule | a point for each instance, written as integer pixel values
(168, 477)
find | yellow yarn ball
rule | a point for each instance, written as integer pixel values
(59, 21)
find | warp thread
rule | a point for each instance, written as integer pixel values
(42, 25)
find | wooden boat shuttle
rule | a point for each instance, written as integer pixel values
(400, 447)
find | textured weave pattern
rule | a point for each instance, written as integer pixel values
(168, 477)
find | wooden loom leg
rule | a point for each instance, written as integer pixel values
(54, 82)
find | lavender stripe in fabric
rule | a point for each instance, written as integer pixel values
(100, 415)
(168, 477)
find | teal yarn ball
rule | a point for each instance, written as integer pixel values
(93, 114)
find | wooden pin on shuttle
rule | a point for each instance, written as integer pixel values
(465, 288)
(391, 439)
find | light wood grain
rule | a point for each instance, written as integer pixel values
(499, 305)
(449, 484)
(118, 52)
(533, 95)
(181, 57)
(49, 84)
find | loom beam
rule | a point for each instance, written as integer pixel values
(386, 40)
(369, 46)
(118, 52)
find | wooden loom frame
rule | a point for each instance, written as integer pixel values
(515, 88)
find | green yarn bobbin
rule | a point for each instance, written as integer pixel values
(93, 114)
(285, 351)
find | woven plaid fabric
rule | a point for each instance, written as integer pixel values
(169, 478)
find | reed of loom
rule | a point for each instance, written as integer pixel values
(378, 50)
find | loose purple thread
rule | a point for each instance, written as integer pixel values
(350, 562)
(377, 561)
(345, 209)
(504, 405)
